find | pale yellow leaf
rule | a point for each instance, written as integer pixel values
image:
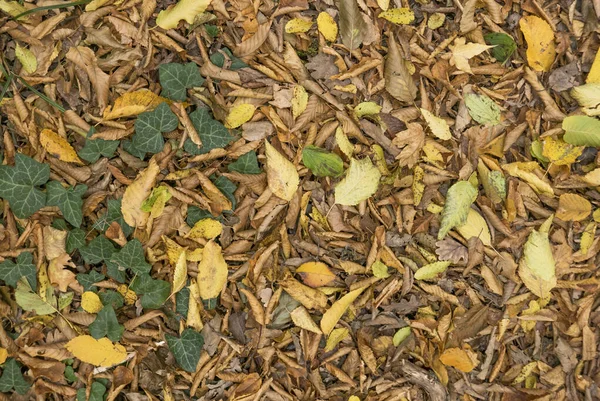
(367, 109)
(193, 318)
(205, 228)
(438, 126)
(540, 42)
(400, 16)
(432, 270)
(463, 360)
(212, 272)
(531, 173)
(100, 352)
(335, 337)
(436, 20)
(128, 295)
(282, 176)
(136, 193)
(337, 310)
(239, 114)
(573, 207)
(560, 152)
(299, 100)
(180, 273)
(298, 25)
(310, 297)
(536, 267)
(593, 177)
(184, 10)
(133, 103)
(315, 274)
(383, 4)
(327, 26)
(594, 74)
(58, 147)
(12, 8)
(587, 238)
(27, 59)
(302, 319)
(3, 355)
(343, 142)
(462, 52)
(588, 97)
(90, 302)
(475, 226)
(360, 183)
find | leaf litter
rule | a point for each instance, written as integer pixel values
(293, 200)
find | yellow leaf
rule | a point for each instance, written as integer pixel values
(367, 109)
(527, 172)
(463, 360)
(58, 147)
(100, 352)
(475, 226)
(206, 228)
(400, 16)
(588, 97)
(3, 355)
(298, 25)
(536, 267)
(96, 4)
(418, 187)
(353, 398)
(309, 297)
(335, 337)
(596, 215)
(299, 100)
(239, 114)
(90, 302)
(27, 59)
(302, 319)
(212, 272)
(193, 318)
(327, 26)
(136, 193)
(438, 126)
(594, 74)
(337, 310)
(573, 207)
(173, 250)
(436, 20)
(128, 295)
(360, 183)
(462, 52)
(184, 10)
(432, 270)
(587, 238)
(380, 270)
(12, 8)
(282, 176)
(540, 42)
(343, 142)
(180, 273)
(155, 203)
(315, 274)
(132, 104)
(560, 152)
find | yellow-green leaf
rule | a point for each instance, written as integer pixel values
(282, 176)
(432, 270)
(536, 267)
(366, 109)
(401, 335)
(438, 126)
(459, 198)
(588, 97)
(27, 59)
(360, 183)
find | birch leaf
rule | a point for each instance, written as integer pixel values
(100, 352)
(459, 198)
(360, 183)
(398, 80)
(352, 25)
(573, 207)
(537, 267)
(398, 16)
(588, 97)
(432, 270)
(475, 226)
(582, 131)
(298, 25)
(179, 273)
(483, 109)
(282, 176)
(58, 147)
(133, 103)
(239, 114)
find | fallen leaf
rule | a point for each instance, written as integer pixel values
(90, 302)
(438, 126)
(483, 109)
(26, 58)
(298, 25)
(58, 147)
(431, 270)
(459, 198)
(360, 183)
(321, 162)
(302, 319)
(60, 275)
(560, 152)
(133, 103)
(540, 42)
(299, 100)
(594, 74)
(399, 16)
(463, 360)
(205, 228)
(100, 352)
(337, 310)
(136, 194)
(342, 141)
(401, 335)
(315, 274)
(536, 267)
(573, 207)
(327, 26)
(184, 10)
(212, 274)
(475, 227)
(398, 80)
(462, 52)
(282, 176)
(239, 114)
(581, 131)
(352, 25)
(179, 273)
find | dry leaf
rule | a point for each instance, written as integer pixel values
(337, 310)
(302, 319)
(179, 273)
(315, 274)
(462, 52)
(100, 352)
(282, 177)
(58, 147)
(136, 194)
(463, 360)
(438, 126)
(573, 207)
(133, 103)
(540, 42)
(536, 267)
(184, 10)
(212, 273)
(239, 114)
(398, 81)
(360, 183)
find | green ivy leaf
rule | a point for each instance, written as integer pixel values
(186, 349)
(94, 148)
(219, 58)
(582, 131)
(459, 198)
(195, 214)
(149, 127)
(176, 78)
(116, 272)
(99, 249)
(131, 256)
(212, 133)
(113, 213)
(246, 164)
(12, 272)
(88, 280)
(129, 148)
(505, 45)
(12, 378)
(60, 224)
(96, 393)
(18, 185)
(68, 201)
(154, 292)
(321, 162)
(70, 374)
(75, 239)
(182, 299)
(483, 109)
(106, 324)
(111, 298)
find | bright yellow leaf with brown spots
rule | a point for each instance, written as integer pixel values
(133, 103)
(540, 42)
(239, 114)
(298, 25)
(58, 147)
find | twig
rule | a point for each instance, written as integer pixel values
(423, 379)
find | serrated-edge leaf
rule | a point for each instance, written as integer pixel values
(360, 183)
(459, 198)
(581, 131)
